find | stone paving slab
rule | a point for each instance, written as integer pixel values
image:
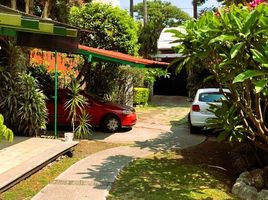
(21, 158)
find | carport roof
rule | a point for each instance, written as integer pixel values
(12, 21)
(117, 57)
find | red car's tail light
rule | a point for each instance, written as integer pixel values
(195, 108)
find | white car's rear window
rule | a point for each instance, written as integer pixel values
(210, 97)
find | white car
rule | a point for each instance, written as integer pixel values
(199, 110)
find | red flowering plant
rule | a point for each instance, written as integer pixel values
(234, 45)
(255, 3)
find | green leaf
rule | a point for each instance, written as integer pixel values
(235, 49)
(250, 21)
(258, 56)
(237, 21)
(246, 75)
(260, 85)
(223, 38)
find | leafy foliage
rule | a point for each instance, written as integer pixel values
(83, 130)
(4, 131)
(44, 78)
(161, 14)
(232, 42)
(141, 96)
(75, 106)
(22, 103)
(108, 28)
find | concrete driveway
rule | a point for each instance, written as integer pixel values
(158, 129)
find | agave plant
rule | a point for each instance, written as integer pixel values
(75, 106)
(83, 130)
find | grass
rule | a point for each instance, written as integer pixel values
(167, 176)
(28, 188)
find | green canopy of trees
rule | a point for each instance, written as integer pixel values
(232, 44)
(161, 14)
(108, 27)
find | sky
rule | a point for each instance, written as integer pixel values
(185, 5)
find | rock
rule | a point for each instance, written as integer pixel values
(263, 195)
(238, 187)
(248, 193)
(257, 179)
(245, 177)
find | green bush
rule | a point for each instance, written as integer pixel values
(22, 104)
(141, 96)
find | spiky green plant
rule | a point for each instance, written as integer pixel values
(22, 103)
(83, 130)
(76, 102)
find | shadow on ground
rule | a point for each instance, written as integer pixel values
(177, 138)
(104, 174)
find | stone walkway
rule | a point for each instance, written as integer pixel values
(92, 177)
(25, 154)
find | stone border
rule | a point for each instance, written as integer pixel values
(244, 186)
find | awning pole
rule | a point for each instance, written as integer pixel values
(56, 95)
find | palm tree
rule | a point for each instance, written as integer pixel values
(145, 17)
(131, 8)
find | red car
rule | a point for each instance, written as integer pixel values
(110, 116)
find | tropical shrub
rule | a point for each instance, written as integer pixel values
(75, 105)
(22, 104)
(4, 131)
(232, 43)
(44, 78)
(141, 96)
(83, 130)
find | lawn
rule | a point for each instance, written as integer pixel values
(28, 188)
(173, 176)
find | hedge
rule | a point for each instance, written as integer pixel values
(141, 96)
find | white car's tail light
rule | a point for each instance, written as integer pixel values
(195, 108)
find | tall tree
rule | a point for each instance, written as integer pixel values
(111, 28)
(161, 14)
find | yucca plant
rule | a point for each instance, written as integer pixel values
(76, 102)
(83, 130)
(4, 131)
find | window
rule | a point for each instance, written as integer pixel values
(211, 97)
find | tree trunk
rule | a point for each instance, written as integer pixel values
(29, 6)
(131, 8)
(145, 17)
(14, 4)
(45, 13)
(195, 8)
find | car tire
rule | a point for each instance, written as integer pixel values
(194, 129)
(111, 124)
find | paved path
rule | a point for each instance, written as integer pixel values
(92, 177)
(25, 154)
